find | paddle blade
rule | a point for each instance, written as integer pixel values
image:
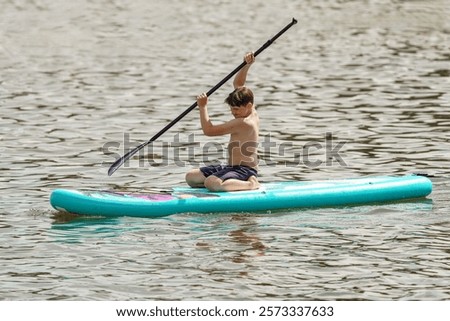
(120, 161)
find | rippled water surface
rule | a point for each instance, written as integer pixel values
(80, 81)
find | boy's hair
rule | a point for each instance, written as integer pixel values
(240, 96)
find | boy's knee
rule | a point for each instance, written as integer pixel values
(189, 176)
(194, 178)
(213, 183)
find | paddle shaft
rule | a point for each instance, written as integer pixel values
(128, 155)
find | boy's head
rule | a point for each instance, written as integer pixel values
(241, 96)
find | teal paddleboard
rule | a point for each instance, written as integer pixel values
(271, 196)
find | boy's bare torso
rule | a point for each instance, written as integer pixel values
(243, 145)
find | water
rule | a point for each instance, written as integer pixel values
(78, 78)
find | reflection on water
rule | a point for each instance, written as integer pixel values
(77, 76)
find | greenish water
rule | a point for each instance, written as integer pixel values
(80, 78)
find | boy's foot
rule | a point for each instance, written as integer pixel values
(254, 182)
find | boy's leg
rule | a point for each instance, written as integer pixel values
(195, 178)
(215, 184)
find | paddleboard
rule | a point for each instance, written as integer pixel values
(271, 196)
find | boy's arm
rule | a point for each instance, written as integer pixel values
(206, 123)
(241, 76)
(208, 128)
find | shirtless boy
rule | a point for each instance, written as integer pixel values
(241, 171)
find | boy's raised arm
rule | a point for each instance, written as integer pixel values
(241, 76)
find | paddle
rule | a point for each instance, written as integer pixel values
(128, 155)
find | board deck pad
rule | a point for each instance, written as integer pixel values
(276, 195)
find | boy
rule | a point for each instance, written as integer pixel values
(241, 172)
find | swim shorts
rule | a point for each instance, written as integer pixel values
(225, 172)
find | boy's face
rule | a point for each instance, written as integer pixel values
(241, 111)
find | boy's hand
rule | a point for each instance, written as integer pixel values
(202, 100)
(249, 58)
